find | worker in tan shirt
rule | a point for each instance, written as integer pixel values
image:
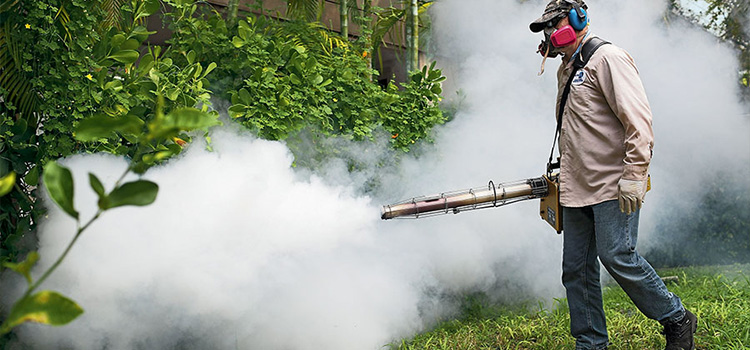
(606, 143)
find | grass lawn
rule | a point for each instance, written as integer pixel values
(718, 295)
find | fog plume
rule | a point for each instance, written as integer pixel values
(242, 250)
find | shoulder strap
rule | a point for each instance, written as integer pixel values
(587, 51)
(579, 62)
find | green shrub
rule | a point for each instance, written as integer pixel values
(66, 60)
(286, 76)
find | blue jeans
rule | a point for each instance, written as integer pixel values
(603, 231)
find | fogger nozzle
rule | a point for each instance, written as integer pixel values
(476, 198)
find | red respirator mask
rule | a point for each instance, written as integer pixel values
(553, 41)
(563, 36)
(556, 39)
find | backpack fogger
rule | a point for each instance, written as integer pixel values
(493, 195)
(547, 187)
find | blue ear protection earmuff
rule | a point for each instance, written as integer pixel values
(578, 20)
(577, 16)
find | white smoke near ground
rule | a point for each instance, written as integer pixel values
(242, 250)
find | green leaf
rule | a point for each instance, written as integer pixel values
(148, 8)
(416, 78)
(154, 157)
(181, 119)
(154, 75)
(295, 79)
(142, 31)
(317, 79)
(245, 96)
(243, 29)
(237, 110)
(32, 177)
(115, 85)
(97, 96)
(19, 127)
(6, 183)
(96, 185)
(137, 193)
(24, 267)
(190, 57)
(101, 126)
(124, 56)
(130, 44)
(311, 63)
(145, 65)
(237, 42)
(117, 40)
(45, 307)
(59, 183)
(434, 74)
(211, 66)
(173, 93)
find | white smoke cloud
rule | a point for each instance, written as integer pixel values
(236, 251)
(243, 251)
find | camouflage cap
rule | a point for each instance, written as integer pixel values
(555, 10)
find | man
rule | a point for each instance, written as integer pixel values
(606, 142)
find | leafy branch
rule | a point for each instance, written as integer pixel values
(52, 308)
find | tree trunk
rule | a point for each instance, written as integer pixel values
(367, 10)
(344, 14)
(412, 36)
(232, 8)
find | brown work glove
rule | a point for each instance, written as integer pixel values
(631, 194)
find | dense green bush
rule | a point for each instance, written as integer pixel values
(286, 76)
(79, 76)
(64, 61)
(67, 60)
(70, 83)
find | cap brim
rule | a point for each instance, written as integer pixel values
(541, 22)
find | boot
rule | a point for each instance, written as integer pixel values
(680, 334)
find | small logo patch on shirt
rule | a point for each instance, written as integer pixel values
(579, 78)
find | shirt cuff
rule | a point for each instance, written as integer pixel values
(635, 172)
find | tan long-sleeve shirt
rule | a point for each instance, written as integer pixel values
(606, 128)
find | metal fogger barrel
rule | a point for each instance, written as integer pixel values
(455, 202)
(490, 196)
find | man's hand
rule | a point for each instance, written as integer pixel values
(630, 193)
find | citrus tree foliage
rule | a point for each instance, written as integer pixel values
(66, 60)
(79, 76)
(401, 21)
(283, 77)
(50, 307)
